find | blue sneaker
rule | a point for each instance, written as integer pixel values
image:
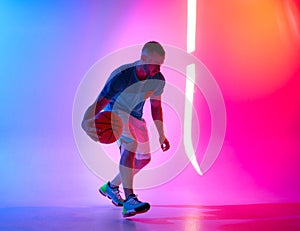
(112, 193)
(133, 206)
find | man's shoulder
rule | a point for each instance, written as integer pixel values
(124, 69)
(122, 73)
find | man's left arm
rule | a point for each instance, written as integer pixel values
(157, 115)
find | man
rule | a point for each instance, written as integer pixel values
(125, 93)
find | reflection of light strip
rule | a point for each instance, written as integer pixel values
(188, 113)
(291, 13)
(189, 87)
(191, 25)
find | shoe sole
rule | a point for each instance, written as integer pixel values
(139, 210)
(106, 195)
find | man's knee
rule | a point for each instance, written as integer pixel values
(128, 146)
(140, 163)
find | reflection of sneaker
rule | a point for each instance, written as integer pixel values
(112, 193)
(132, 206)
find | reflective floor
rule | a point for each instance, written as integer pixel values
(257, 217)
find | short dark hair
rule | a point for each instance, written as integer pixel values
(154, 46)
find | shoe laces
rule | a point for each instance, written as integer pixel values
(117, 192)
(134, 200)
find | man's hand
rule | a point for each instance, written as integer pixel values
(164, 143)
(88, 122)
(89, 127)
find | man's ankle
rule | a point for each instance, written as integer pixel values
(128, 192)
(112, 185)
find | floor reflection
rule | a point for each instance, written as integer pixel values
(257, 217)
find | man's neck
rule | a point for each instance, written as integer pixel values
(140, 73)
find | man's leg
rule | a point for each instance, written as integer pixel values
(131, 204)
(129, 166)
(126, 169)
(138, 165)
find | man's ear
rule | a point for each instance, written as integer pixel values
(143, 58)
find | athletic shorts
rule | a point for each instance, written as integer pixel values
(134, 137)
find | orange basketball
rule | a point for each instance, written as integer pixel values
(109, 127)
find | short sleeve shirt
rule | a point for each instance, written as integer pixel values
(127, 93)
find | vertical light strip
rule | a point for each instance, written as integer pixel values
(191, 25)
(188, 116)
(189, 87)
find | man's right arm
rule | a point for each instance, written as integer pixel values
(88, 122)
(95, 108)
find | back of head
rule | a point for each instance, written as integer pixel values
(153, 46)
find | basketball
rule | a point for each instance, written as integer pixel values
(109, 127)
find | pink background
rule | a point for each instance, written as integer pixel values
(250, 47)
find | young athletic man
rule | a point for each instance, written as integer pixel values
(125, 93)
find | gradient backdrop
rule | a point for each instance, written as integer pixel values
(251, 47)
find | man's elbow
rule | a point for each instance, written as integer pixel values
(155, 103)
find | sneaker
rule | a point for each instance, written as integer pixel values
(133, 206)
(112, 193)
